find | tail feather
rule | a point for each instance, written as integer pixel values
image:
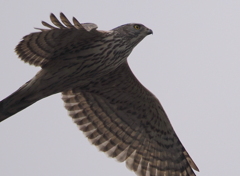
(42, 85)
(17, 101)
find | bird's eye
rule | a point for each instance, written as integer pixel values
(136, 26)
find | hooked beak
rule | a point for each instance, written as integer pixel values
(149, 31)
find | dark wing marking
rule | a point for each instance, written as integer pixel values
(127, 122)
(40, 47)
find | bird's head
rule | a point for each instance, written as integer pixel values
(132, 33)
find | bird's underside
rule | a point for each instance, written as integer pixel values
(127, 122)
(113, 109)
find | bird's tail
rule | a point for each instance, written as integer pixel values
(19, 100)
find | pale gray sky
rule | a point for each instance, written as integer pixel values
(191, 63)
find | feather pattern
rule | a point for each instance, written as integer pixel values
(40, 47)
(126, 121)
(117, 114)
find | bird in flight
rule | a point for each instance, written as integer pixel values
(102, 95)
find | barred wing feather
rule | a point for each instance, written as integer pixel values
(126, 121)
(54, 43)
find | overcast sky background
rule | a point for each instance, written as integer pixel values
(191, 63)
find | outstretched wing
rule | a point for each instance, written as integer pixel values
(40, 47)
(126, 121)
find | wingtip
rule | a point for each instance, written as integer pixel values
(190, 161)
(65, 21)
(77, 24)
(52, 16)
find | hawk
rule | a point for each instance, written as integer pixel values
(104, 98)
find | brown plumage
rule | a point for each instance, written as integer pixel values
(113, 109)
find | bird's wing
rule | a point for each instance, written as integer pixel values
(66, 38)
(127, 122)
